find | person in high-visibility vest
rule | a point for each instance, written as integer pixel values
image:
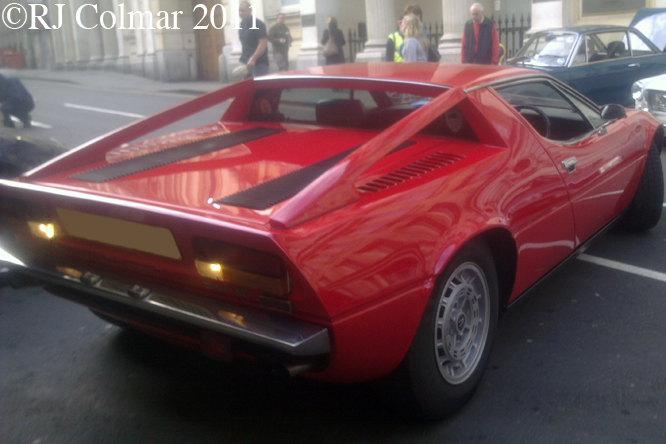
(394, 46)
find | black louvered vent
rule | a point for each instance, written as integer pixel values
(408, 172)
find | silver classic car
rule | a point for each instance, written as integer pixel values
(650, 96)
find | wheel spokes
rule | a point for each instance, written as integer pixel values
(461, 326)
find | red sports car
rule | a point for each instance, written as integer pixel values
(347, 222)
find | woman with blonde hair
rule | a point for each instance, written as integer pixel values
(415, 47)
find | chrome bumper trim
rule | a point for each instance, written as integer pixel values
(290, 336)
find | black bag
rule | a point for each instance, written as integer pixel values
(433, 54)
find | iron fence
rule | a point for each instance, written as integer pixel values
(511, 33)
(357, 39)
(356, 44)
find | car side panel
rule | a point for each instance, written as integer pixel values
(610, 81)
(607, 169)
(532, 196)
(374, 262)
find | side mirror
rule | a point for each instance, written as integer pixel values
(613, 112)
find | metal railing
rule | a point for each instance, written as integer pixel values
(356, 44)
(511, 33)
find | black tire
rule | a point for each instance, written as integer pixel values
(646, 207)
(430, 379)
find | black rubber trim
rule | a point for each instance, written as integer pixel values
(270, 193)
(274, 191)
(173, 155)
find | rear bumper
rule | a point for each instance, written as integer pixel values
(289, 336)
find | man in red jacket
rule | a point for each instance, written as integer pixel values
(480, 43)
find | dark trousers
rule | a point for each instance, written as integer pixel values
(22, 115)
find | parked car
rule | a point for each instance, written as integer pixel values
(601, 62)
(650, 96)
(650, 93)
(347, 222)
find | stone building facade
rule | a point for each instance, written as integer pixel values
(178, 40)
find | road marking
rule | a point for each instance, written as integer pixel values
(37, 124)
(623, 267)
(102, 110)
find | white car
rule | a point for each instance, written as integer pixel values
(650, 96)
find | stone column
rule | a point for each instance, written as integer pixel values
(455, 14)
(149, 61)
(123, 52)
(313, 22)
(61, 47)
(90, 39)
(381, 21)
(80, 40)
(109, 38)
(232, 45)
(137, 62)
(175, 49)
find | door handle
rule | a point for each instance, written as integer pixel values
(635, 65)
(570, 164)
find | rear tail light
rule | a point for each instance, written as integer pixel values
(42, 230)
(14, 213)
(241, 266)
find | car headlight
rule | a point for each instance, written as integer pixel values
(637, 91)
(657, 101)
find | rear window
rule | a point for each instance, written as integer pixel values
(352, 108)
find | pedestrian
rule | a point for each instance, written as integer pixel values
(394, 45)
(333, 41)
(280, 38)
(480, 43)
(15, 100)
(254, 42)
(415, 47)
(417, 11)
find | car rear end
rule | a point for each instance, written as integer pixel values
(134, 235)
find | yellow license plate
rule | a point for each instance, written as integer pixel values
(120, 233)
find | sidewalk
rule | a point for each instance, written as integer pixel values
(112, 80)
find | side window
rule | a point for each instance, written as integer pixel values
(326, 106)
(552, 113)
(638, 46)
(596, 51)
(344, 108)
(593, 115)
(615, 45)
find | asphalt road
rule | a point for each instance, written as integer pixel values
(581, 360)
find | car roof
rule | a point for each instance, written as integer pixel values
(584, 29)
(441, 74)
